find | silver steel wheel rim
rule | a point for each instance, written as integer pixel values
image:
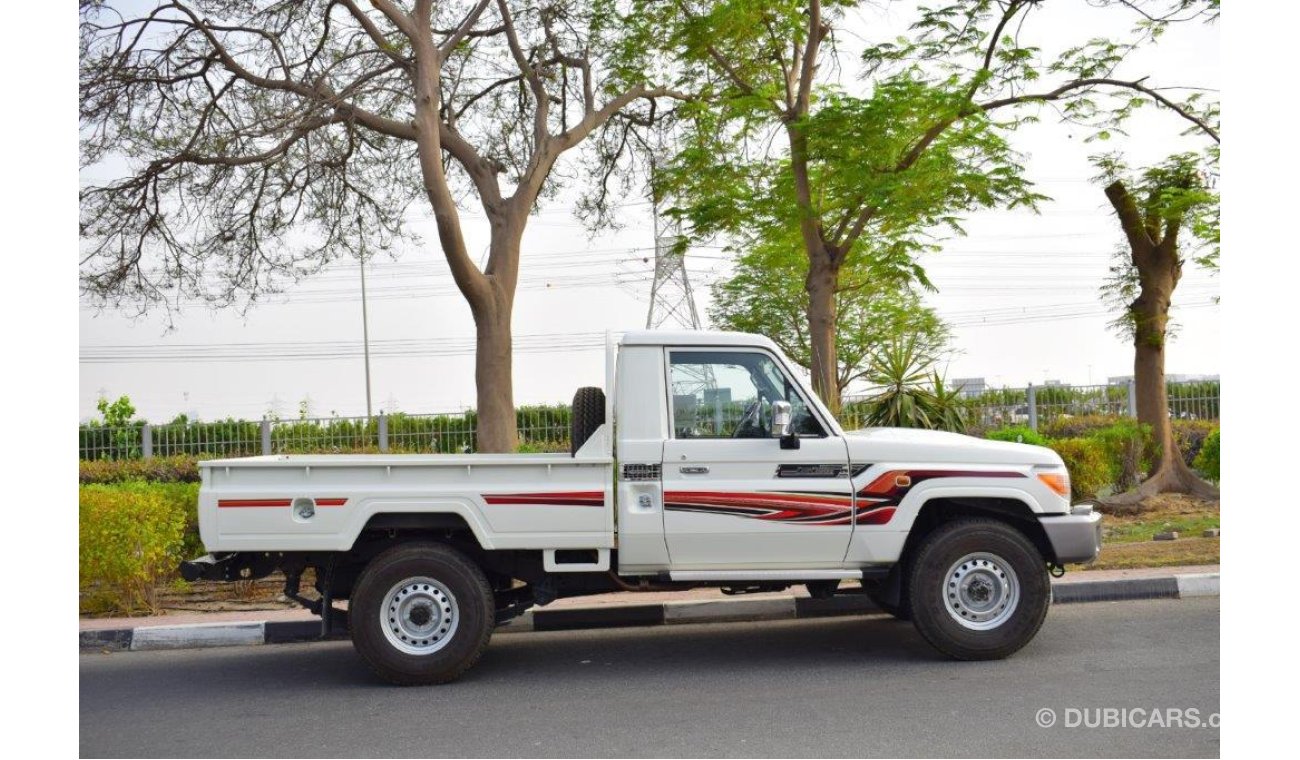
(981, 591)
(419, 616)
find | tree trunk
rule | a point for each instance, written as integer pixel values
(494, 379)
(498, 430)
(821, 284)
(1158, 275)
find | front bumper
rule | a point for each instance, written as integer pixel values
(1075, 537)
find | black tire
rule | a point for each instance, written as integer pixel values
(930, 588)
(588, 414)
(474, 606)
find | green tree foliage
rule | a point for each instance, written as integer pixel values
(778, 147)
(116, 413)
(766, 295)
(1176, 192)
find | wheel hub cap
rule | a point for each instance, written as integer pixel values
(419, 616)
(981, 591)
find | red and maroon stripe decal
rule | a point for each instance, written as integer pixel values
(879, 499)
(240, 503)
(876, 502)
(781, 506)
(549, 498)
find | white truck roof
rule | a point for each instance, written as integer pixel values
(694, 338)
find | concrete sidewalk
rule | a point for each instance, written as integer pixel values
(622, 609)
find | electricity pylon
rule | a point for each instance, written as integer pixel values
(671, 298)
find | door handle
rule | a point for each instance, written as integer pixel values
(693, 470)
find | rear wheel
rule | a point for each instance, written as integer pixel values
(421, 613)
(979, 589)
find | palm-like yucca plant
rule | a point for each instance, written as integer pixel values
(949, 406)
(900, 369)
(911, 393)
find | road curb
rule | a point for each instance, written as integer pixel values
(203, 635)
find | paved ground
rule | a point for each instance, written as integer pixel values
(837, 687)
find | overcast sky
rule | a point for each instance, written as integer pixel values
(1021, 290)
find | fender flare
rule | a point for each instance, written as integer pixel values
(446, 505)
(912, 504)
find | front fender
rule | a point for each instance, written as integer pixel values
(911, 506)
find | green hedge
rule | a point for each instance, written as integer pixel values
(1207, 460)
(132, 535)
(1129, 450)
(173, 469)
(1089, 463)
(1017, 434)
(1127, 447)
(1078, 426)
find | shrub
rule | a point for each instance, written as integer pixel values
(1080, 426)
(1017, 434)
(172, 469)
(544, 447)
(131, 539)
(1207, 459)
(1190, 435)
(1129, 450)
(1089, 464)
(183, 498)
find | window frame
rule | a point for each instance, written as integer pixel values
(828, 431)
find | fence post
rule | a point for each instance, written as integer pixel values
(146, 441)
(383, 433)
(1032, 395)
(266, 436)
(1132, 398)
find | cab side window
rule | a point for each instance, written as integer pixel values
(729, 394)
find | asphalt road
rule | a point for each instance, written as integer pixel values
(839, 687)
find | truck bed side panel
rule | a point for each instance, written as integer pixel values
(515, 502)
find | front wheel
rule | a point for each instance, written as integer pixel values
(979, 589)
(421, 613)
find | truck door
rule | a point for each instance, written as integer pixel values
(733, 497)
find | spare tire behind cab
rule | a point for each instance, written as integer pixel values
(587, 415)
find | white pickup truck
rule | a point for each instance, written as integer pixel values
(708, 464)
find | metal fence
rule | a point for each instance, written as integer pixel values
(1040, 405)
(540, 429)
(546, 428)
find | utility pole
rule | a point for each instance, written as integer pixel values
(365, 320)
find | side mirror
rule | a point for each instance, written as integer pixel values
(781, 419)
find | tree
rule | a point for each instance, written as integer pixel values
(1158, 209)
(925, 144)
(116, 414)
(875, 303)
(265, 140)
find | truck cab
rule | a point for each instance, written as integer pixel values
(704, 461)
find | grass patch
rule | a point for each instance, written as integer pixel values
(1184, 551)
(1143, 528)
(1126, 538)
(1166, 512)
